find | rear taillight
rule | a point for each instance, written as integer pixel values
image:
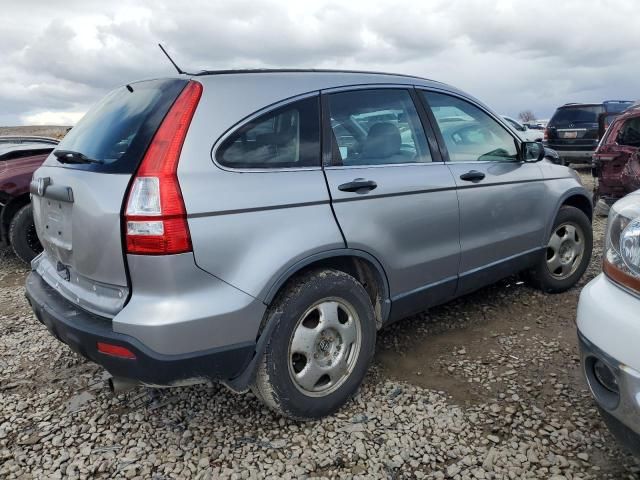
(546, 134)
(155, 217)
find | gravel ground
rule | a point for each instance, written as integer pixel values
(486, 387)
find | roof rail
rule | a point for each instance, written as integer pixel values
(303, 70)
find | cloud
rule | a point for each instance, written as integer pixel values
(60, 58)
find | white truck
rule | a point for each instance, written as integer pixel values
(609, 325)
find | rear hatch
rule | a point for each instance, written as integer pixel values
(574, 127)
(78, 197)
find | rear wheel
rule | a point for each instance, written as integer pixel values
(23, 236)
(567, 254)
(320, 348)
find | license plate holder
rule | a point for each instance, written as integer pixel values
(56, 222)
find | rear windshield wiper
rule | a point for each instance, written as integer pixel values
(70, 156)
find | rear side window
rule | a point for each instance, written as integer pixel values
(288, 137)
(575, 115)
(376, 127)
(118, 129)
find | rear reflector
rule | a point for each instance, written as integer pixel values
(155, 217)
(116, 351)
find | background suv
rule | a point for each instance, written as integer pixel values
(575, 128)
(258, 228)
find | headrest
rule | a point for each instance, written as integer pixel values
(382, 141)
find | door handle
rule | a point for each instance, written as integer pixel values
(359, 185)
(472, 176)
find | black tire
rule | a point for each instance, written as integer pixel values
(541, 276)
(274, 383)
(22, 235)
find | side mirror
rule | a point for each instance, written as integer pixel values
(532, 151)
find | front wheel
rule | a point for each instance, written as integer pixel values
(567, 254)
(320, 347)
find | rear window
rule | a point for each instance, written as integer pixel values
(118, 129)
(583, 114)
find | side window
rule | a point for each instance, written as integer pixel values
(630, 133)
(469, 133)
(288, 137)
(376, 127)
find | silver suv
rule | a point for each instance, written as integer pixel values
(258, 227)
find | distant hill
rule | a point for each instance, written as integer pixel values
(40, 130)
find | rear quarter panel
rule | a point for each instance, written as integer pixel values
(248, 227)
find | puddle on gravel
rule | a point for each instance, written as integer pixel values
(493, 339)
(421, 363)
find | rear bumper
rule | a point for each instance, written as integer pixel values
(575, 155)
(572, 152)
(81, 331)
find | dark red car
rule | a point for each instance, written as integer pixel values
(19, 158)
(616, 161)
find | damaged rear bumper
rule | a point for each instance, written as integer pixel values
(82, 331)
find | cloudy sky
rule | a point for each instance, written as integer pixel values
(57, 58)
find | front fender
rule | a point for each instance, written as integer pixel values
(572, 192)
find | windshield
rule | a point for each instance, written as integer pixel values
(117, 130)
